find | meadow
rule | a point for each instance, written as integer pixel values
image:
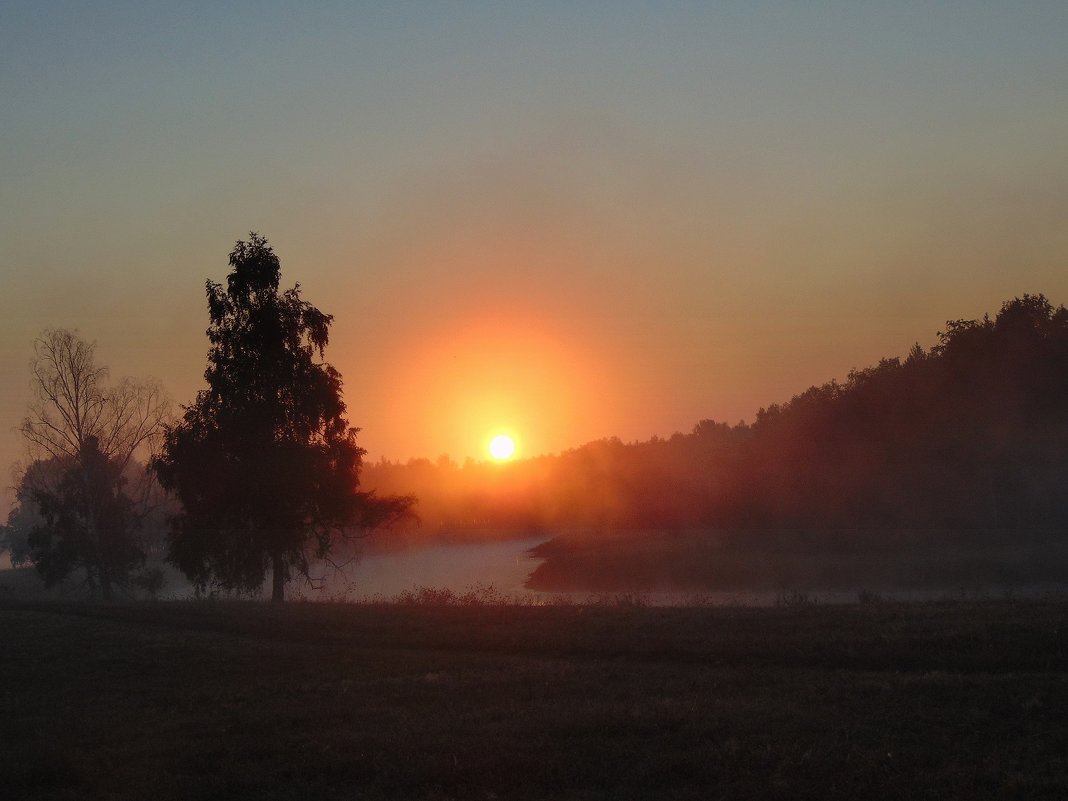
(462, 698)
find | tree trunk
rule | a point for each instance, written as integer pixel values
(278, 593)
(95, 541)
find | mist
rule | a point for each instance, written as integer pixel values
(937, 471)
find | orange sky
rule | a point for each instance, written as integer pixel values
(580, 221)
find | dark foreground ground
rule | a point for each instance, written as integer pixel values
(229, 700)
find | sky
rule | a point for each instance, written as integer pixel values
(566, 221)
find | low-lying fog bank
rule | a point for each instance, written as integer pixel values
(706, 568)
(370, 573)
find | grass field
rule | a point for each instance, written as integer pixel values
(240, 700)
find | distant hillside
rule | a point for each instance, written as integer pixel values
(970, 434)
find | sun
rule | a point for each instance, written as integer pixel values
(502, 447)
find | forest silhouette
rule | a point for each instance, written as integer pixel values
(972, 433)
(962, 445)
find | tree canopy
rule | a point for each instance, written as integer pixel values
(73, 402)
(264, 462)
(76, 509)
(88, 521)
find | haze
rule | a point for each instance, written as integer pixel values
(565, 222)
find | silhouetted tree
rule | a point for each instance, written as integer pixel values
(72, 402)
(264, 461)
(75, 508)
(15, 534)
(88, 522)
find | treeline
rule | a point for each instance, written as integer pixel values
(259, 476)
(972, 433)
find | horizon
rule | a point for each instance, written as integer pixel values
(564, 224)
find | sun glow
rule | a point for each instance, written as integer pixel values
(502, 447)
(460, 383)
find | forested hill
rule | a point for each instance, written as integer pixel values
(970, 434)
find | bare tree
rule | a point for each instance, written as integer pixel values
(72, 402)
(83, 435)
